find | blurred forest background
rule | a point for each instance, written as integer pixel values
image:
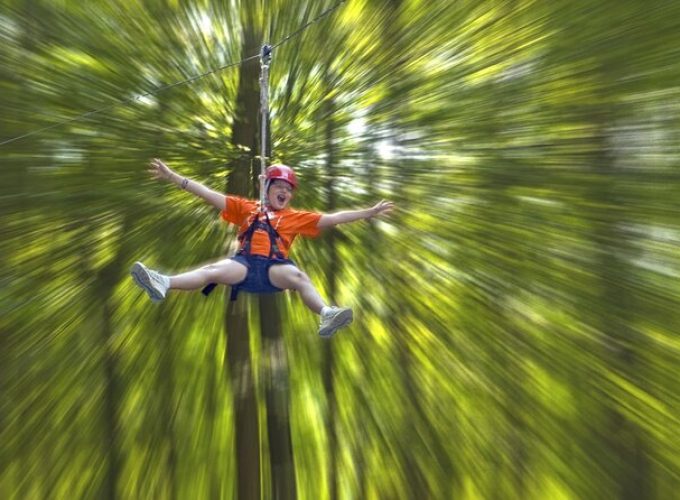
(516, 332)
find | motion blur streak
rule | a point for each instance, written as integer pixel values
(517, 317)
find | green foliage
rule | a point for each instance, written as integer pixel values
(516, 318)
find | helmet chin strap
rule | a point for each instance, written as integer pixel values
(265, 197)
(267, 204)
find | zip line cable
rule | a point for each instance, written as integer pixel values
(313, 21)
(265, 61)
(176, 84)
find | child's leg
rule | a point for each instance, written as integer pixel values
(224, 272)
(289, 277)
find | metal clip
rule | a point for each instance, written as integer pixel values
(266, 55)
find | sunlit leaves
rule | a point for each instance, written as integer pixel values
(525, 290)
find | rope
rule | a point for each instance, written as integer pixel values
(265, 61)
(176, 84)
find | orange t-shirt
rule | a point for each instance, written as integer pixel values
(287, 222)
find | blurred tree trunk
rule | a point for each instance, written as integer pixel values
(112, 399)
(277, 397)
(620, 444)
(166, 372)
(168, 404)
(246, 425)
(506, 344)
(104, 284)
(277, 386)
(367, 434)
(418, 437)
(627, 461)
(6, 367)
(510, 274)
(331, 282)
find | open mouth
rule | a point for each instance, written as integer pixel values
(281, 198)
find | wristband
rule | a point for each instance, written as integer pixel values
(185, 181)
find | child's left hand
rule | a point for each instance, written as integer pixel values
(382, 207)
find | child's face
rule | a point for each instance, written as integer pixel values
(280, 194)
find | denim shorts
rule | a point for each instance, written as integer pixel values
(257, 278)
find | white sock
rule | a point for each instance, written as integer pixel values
(325, 310)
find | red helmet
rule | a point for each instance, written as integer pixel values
(282, 172)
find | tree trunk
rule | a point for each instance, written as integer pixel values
(167, 362)
(277, 387)
(418, 438)
(331, 278)
(628, 463)
(246, 425)
(277, 390)
(245, 408)
(104, 287)
(111, 404)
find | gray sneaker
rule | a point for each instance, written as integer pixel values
(153, 283)
(335, 319)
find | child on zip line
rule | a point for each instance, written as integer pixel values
(261, 264)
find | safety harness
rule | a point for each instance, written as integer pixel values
(245, 238)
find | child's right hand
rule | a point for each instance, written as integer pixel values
(382, 207)
(159, 170)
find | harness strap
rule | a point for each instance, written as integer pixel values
(246, 239)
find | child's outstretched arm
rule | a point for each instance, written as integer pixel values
(330, 220)
(160, 170)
